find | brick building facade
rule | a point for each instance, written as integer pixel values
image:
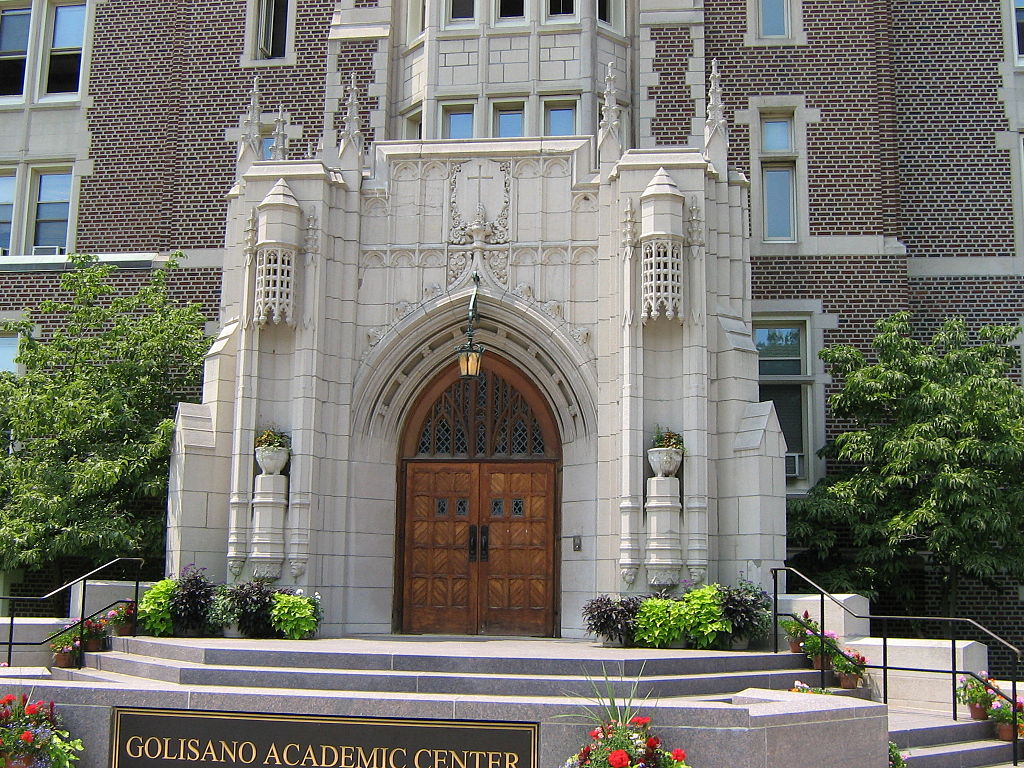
(882, 148)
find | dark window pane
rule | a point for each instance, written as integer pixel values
(560, 7)
(12, 77)
(52, 212)
(5, 232)
(603, 10)
(14, 30)
(497, 507)
(274, 28)
(441, 507)
(779, 367)
(63, 73)
(788, 399)
(510, 8)
(1019, 15)
(518, 507)
(51, 233)
(462, 9)
(462, 507)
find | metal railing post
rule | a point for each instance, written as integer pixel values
(952, 666)
(885, 661)
(135, 605)
(821, 637)
(10, 636)
(775, 608)
(1016, 725)
(81, 626)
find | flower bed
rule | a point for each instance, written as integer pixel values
(32, 732)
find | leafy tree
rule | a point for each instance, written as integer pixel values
(935, 459)
(86, 424)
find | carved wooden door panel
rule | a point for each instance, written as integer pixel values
(440, 586)
(515, 583)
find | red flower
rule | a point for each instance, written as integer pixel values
(640, 721)
(679, 755)
(653, 743)
(7, 699)
(595, 733)
(618, 759)
(28, 737)
(32, 709)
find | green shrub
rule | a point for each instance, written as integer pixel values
(155, 609)
(659, 622)
(294, 616)
(702, 617)
(252, 602)
(191, 601)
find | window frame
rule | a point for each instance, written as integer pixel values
(252, 56)
(616, 20)
(451, 108)
(556, 103)
(31, 230)
(25, 57)
(50, 50)
(792, 16)
(508, 107)
(461, 21)
(1017, 31)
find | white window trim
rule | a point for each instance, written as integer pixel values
(795, 34)
(809, 313)
(467, 23)
(617, 23)
(251, 53)
(556, 102)
(562, 18)
(444, 108)
(1016, 58)
(506, 104)
(510, 21)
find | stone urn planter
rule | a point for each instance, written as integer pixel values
(665, 461)
(272, 460)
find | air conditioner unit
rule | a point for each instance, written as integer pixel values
(794, 465)
(48, 250)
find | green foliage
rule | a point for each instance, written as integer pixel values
(86, 428)
(795, 629)
(703, 619)
(155, 609)
(936, 447)
(659, 622)
(895, 758)
(294, 616)
(273, 438)
(222, 610)
(34, 733)
(667, 439)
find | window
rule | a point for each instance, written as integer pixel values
(559, 120)
(65, 61)
(561, 8)
(6, 213)
(8, 351)
(266, 147)
(773, 18)
(781, 350)
(508, 120)
(14, 24)
(458, 122)
(53, 201)
(414, 126)
(604, 12)
(778, 179)
(511, 9)
(273, 29)
(461, 10)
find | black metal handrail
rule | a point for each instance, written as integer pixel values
(951, 621)
(80, 624)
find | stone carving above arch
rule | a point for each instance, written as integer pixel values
(584, 202)
(583, 255)
(527, 169)
(524, 256)
(405, 171)
(556, 167)
(375, 207)
(434, 170)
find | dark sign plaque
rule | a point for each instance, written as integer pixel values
(159, 738)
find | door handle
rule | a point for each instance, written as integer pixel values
(472, 543)
(484, 542)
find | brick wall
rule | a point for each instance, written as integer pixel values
(955, 190)
(166, 83)
(979, 300)
(673, 104)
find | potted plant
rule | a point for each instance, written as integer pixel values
(703, 619)
(613, 619)
(796, 629)
(820, 647)
(190, 602)
(618, 744)
(272, 450)
(660, 623)
(1006, 717)
(65, 647)
(93, 633)
(223, 613)
(253, 602)
(295, 616)
(32, 734)
(666, 453)
(849, 667)
(155, 608)
(122, 618)
(977, 695)
(749, 609)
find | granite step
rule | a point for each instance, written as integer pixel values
(968, 754)
(935, 740)
(442, 682)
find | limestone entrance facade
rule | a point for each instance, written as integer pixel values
(478, 481)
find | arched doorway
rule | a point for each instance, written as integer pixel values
(478, 478)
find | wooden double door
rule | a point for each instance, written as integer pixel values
(479, 547)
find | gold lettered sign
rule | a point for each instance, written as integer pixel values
(154, 738)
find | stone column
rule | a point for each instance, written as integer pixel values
(663, 561)
(269, 502)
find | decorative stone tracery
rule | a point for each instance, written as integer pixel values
(662, 281)
(275, 273)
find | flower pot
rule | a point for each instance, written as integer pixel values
(93, 644)
(978, 711)
(794, 646)
(25, 761)
(822, 662)
(1004, 731)
(665, 461)
(64, 660)
(272, 460)
(848, 680)
(125, 629)
(739, 642)
(232, 630)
